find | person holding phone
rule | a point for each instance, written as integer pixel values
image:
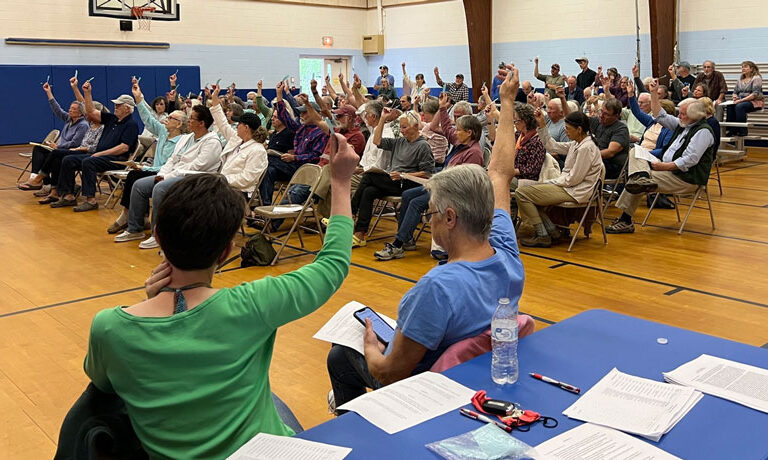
(469, 209)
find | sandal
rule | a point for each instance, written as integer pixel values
(27, 187)
(42, 193)
(48, 200)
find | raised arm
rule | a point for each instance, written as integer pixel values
(324, 109)
(88, 101)
(560, 92)
(76, 90)
(501, 169)
(329, 88)
(438, 79)
(313, 117)
(219, 117)
(553, 147)
(145, 112)
(265, 111)
(55, 107)
(445, 122)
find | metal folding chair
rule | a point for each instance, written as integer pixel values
(52, 136)
(309, 175)
(615, 183)
(595, 202)
(694, 197)
(116, 178)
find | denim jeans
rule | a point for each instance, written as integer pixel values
(88, 166)
(349, 374)
(144, 189)
(415, 202)
(277, 170)
(738, 113)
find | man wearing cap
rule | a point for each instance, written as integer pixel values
(384, 71)
(552, 81)
(586, 78)
(308, 145)
(680, 80)
(118, 140)
(457, 90)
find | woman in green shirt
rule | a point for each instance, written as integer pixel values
(192, 362)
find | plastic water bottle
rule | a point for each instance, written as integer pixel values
(504, 365)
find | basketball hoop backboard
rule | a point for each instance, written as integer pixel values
(164, 10)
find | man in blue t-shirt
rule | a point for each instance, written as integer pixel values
(118, 139)
(455, 301)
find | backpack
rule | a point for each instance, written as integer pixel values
(257, 251)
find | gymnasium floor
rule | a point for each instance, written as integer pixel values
(60, 268)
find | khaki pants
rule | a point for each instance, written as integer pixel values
(532, 199)
(323, 190)
(668, 182)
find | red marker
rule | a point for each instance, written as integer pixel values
(475, 416)
(562, 385)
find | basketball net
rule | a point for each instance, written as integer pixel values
(139, 13)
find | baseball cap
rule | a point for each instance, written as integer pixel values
(249, 118)
(583, 58)
(685, 64)
(303, 108)
(556, 66)
(383, 67)
(347, 110)
(460, 75)
(124, 99)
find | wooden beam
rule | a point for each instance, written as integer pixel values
(478, 15)
(663, 35)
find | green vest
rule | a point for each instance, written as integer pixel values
(698, 174)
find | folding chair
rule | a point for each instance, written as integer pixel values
(615, 183)
(254, 201)
(694, 197)
(309, 175)
(486, 157)
(716, 172)
(52, 136)
(594, 202)
(116, 178)
(381, 206)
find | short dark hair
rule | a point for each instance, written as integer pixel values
(197, 219)
(158, 99)
(203, 114)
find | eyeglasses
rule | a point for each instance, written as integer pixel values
(429, 214)
(175, 119)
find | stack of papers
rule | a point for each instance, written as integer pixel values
(737, 382)
(265, 446)
(634, 404)
(593, 441)
(407, 403)
(287, 208)
(344, 329)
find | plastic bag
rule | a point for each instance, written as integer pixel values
(487, 443)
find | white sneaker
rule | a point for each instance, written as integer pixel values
(149, 243)
(128, 236)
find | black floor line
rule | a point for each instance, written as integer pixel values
(562, 264)
(67, 302)
(673, 291)
(12, 167)
(648, 280)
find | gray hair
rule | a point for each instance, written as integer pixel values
(696, 110)
(410, 118)
(250, 93)
(467, 190)
(472, 124)
(464, 106)
(573, 106)
(431, 106)
(184, 120)
(525, 113)
(80, 106)
(374, 108)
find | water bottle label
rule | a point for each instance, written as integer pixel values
(503, 334)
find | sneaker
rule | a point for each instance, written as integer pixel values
(149, 243)
(389, 252)
(641, 184)
(115, 227)
(128, 236)
(409, 246)
(357, 242)
(63, 203)
(86, 206)
(331, 398)
(536, 241)
(619, 226)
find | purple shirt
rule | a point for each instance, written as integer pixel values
(309, 141)
(72, 134)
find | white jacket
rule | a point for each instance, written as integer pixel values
(243, 161)
(202, 155)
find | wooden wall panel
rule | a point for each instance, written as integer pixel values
(478, 14)
(662, 15)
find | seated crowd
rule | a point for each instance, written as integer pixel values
(466, 172)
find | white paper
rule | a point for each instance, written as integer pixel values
(265, 446)
(634, 404)
(737, 382)
(643, 153)
(412, 178)
(344, 329)
(407, 403)
(287, 208)
(724, 103)
(590, 441)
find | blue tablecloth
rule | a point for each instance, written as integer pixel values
(580, 351)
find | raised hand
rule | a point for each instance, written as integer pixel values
(539, 115)
(136, 90)
(510, 85)
(87, 87)
(671, 70)
(636, 71)
(279, 89)
(73, 82)
(686, 90)
(417, 100)
(260, 84)
(313, 85)
(47, 87)
(560, 91)
(653, 85)
(536, 60)
(630, 89)
(173, 79)
(437, 71)
(343, 158)
(445, 101)
(215, 90)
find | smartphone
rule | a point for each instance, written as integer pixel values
(383, 331)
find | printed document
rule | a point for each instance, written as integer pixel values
(634, 404)
(643, 153)
(345, 330)
(407, 403)
(737, 382)
(594, 441)
(265, 446)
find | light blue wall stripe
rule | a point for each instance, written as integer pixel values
(726, 46)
